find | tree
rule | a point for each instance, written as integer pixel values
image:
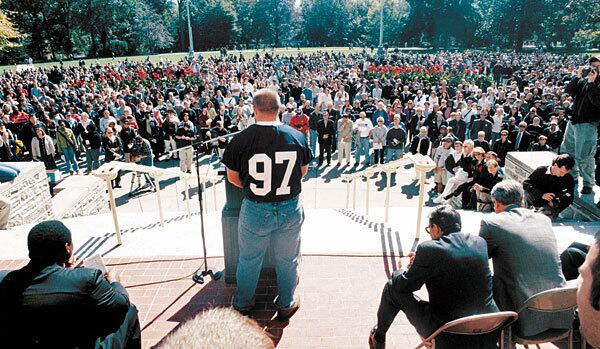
(8, 33)
(149, 33)
(325, 22)
(216, 23)
(273, 19)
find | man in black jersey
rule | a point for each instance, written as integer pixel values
(268, 160)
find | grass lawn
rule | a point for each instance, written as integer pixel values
(247, 53)
(179, 55)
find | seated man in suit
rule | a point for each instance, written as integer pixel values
(48, 304)
(588, 296)
(454, 268)
(523, 249)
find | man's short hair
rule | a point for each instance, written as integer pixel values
(447, 218)
(46, 242)
(219, 328)
(266, 101)
(508, 192)
(565, 160)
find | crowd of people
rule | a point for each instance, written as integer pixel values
(267, 162)
(466, 110)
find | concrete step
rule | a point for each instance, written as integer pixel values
(325, 232)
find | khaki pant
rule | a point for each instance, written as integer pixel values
(185, 159)
(344, 151)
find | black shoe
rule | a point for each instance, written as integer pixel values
(587, 190)
(373, 343)
(244, 312)
(285, 314)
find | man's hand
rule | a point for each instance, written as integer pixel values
(579, 72)
(548, 197)
(325, 136)
(592, 75)
(477, 187)
(112, 276)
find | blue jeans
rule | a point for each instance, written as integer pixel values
(92, 157)
(8, 172)
(580, 143)
(394, 153)
(277, 223)
(70, 159)
(363, 146)
(313, 143)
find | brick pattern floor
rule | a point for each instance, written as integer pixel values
(339, 297)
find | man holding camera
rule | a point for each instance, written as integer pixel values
(550, 189)
(582, 129)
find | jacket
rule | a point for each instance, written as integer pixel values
(456, 273)
(37, 303)
(524, 252)
(35, 147)
(587, 100)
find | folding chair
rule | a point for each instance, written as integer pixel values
(474, 325)
(549, 302)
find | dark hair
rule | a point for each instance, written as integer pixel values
(595, 294)
(46, 242)
(446, 218)
(565, 160)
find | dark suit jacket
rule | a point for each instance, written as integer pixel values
(526, 140)
(524, 252)
(456, 272)
(56, 307)
(325, 130)
(414, 144)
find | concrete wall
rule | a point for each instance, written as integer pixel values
(80, 196)
(29, 195)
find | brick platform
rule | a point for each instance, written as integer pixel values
(339, 298)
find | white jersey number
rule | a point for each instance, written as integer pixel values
(266, 175)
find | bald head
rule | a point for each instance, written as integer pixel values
(266, 104)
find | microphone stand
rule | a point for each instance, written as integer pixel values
(199, 274)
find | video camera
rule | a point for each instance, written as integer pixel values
(588, 69)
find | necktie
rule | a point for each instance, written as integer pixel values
(518, 140)
(419, 146)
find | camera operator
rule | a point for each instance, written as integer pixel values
(550, 189)
(582, 129)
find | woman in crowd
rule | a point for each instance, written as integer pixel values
(42, 149)
(113, 151)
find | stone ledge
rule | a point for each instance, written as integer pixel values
(28, 194)
(80, 196)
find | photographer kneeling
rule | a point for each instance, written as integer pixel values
(141, 153)
(549, 189)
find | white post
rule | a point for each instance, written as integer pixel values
(113, 210)
(387, 194)
(354, 196)
(367, 196)
(189, 25)
(187, 198)
(422, 178)
(160, 210)
(215, 194)
(347, 193)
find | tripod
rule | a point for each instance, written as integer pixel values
(199, 275)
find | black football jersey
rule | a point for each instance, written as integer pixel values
(268, 158)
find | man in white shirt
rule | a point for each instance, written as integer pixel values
(364, 127)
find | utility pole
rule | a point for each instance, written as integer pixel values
(380, 49)
(189, 24)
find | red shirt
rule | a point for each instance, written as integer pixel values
(300, 123)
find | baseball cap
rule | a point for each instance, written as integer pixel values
(594, 59)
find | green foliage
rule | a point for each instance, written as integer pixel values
(325, 22)
(59, 28)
